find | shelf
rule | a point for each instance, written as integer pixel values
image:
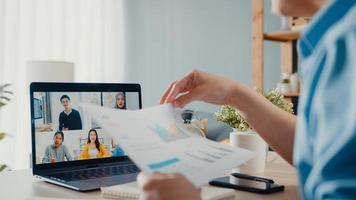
(291, 94)
(283, 36)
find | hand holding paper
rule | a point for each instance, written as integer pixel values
(157, 140)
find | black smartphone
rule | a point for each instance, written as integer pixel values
(255, 186)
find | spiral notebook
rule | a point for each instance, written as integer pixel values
(130, 191)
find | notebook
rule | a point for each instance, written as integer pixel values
(130, 191)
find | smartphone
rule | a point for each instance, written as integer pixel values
(255, 186)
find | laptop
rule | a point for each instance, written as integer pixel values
(69, 148)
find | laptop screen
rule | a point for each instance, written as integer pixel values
(64, 132)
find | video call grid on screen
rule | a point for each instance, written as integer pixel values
(64, 132)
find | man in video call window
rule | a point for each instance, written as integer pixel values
(69, 118)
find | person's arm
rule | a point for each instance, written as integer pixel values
(47, 157)
(84, 154)
(67, 154)
(167, 186)
(80, 126)
(276, 126)
(60, 121)
(104, 151)
(273, 124)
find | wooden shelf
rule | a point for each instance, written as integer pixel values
(283, 36)
(291, 94)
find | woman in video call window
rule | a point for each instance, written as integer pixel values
(93, 148)
(120, 102)
(57, 151)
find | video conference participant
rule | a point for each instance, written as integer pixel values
(93, 148)
(120, 102)
(69, 118)
(57, 151)
(118, 151)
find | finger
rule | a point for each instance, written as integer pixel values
(183, 85)
(150, 181)
(152, 195)
(164, 97)
(142, 179)
(183, 100)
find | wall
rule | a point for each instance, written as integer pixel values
(166, 39)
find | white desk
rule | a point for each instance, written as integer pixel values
(21, 184)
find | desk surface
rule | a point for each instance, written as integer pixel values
(20, 184)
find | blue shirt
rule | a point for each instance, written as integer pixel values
(325, 141)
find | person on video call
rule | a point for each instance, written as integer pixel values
(120, 102)
(93, 148)
(321, 141)
(69, 118)
(57, 151)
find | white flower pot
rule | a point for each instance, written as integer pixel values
(250, 140)
(294, 82)
(284, 87)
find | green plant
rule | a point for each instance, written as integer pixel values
(3, 95)
(4, 99)
(233, 118)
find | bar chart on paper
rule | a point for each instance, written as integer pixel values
(173, 133)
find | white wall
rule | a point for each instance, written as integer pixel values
(166, 39)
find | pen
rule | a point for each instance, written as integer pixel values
(255, 178)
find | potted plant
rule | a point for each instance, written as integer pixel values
(3, 101)
(243, 136)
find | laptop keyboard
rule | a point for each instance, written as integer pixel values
(94, 173)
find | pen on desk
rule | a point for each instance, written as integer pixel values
(255, 178)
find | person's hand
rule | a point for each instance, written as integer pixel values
(201, 86)
(158, 186)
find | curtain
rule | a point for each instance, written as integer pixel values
(85, 32)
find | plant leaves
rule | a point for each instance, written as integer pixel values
(4, 86)
(2, 135)
(7, 92)
(2, 167)
(6, 98)
(233, 118)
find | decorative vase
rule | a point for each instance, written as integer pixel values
(284, 87)
(294, 82)
(250, 140)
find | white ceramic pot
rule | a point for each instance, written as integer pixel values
(284, 87)
(250, 140)
(294, 82)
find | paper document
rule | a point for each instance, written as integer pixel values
(156, 139)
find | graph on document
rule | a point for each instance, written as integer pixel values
(173, 133)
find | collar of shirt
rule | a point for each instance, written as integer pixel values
(320, 25)
(68, 113)
(54, 148)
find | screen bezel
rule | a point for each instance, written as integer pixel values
(75, 87)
